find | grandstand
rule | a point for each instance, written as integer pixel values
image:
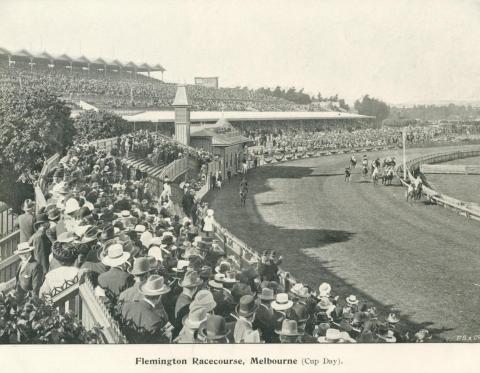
(123, 86)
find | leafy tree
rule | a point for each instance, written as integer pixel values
(36, 321)
(91, 125)
(34, 124)
(372, 106)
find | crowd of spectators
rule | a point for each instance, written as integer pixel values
(164, 275)
(124, 90)
(292, 139)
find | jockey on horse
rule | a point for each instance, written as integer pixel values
(364, 166)
(353, 161)
(348, 173)
(374, 174)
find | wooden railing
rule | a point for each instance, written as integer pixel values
(80, 300)
(460, 207)
(8, 220)
(8, 261)
(105, 144)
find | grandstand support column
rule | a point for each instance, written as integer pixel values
(182, 116)
(404, 136)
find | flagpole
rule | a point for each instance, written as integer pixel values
(404, 135)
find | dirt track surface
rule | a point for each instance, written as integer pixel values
(419, 260)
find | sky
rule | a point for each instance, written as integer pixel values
(399, 51)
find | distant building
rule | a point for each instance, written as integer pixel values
(211, 82)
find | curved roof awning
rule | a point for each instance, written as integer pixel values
(4, 51)
(44, 56)
(22, 54)
(158, 67)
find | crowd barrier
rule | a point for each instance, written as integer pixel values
(458, 169)
(460, 207)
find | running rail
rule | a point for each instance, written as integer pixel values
(459, 206)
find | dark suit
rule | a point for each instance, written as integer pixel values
(144, 322)
(43, 248)
(224, 302)
(29, 278)
(115, 280)
(265, 322)
(25, 224)
(182, 308)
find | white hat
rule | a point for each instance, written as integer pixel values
(324, 289)
(156, 252)
(23, 248)
(125, 214)
(115, 255)
(71, 206)
(146, 238)
(331, 336)
(181, 265)
(352, 299)
(210, 212)
(281, 302)
(140, 228)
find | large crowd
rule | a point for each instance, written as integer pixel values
(163, 273)
(135, 91)
(290, 139)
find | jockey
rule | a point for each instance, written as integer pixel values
(347, 171)
(365, 160)
(353, 159)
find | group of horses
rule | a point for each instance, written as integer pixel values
(388, 166)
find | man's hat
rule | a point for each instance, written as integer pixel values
(247, 306)
(23, 248)
(267, 294)
(115, 255)
(28, 205)
(289, 328)
(214, 328)
(190, 280)
(331, 336)
(352, 300)
(217, 282)
(393, 318)
(54, 214)
(67, 237)
(140, 266)
(300, 291)
(281, 302)
(155, 285)
(41, 219)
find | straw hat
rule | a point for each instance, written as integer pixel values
(247, 306)
(281, 302)
(115, 255)
(393, 318)
(23, 248)
(352, 300)
(331, 336)
(71, 206)
(300, 291)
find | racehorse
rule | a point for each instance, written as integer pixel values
(243, 194)
(387, 177)
(348, 174)
(364, 171)
(353, 162)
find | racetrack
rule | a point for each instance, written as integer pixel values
(420, 260)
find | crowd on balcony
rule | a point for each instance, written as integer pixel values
(135, 91)
(165, 276)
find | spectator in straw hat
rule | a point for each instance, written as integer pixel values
(140, 270)
(191, 323)
(29, 276)
(146, 321)
(25, 221)
(116, 279)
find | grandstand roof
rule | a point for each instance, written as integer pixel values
(219, 139)
(233, 116)
(144, 67)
